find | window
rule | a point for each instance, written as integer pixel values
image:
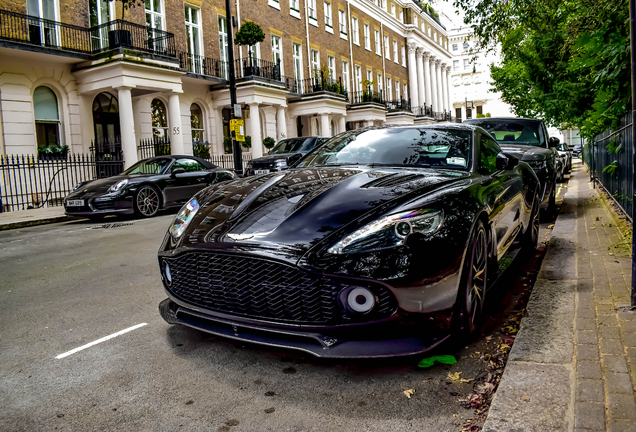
(479, 109)
(358, 78)
(274, 3)
(380, 86)
(354, 30)
(331, 65)
(315, 62)
(312, 10)
(159, 117)
(465, 46)
(386, 47)
(293, 5)
(196, 124)
(377, 42)
(455, 47)
(384, 5)
(469, 113)
(188, 165)
(403, 56)
(154, 14)
(405, 93)
(393, 9)
(298, 61)
(193, 39)
(345, 75)
(466, 64)
(101, 11)
(223, 45)
(343, 23)
(395, 51)
(328, 22)
(488, 151)
(401, 15)
(367, 37)
(415, 20)
(458, 113)
(47, 118)
(397, 90)
(389, 90)
(277, 52)
(455, 65)
(370, 78)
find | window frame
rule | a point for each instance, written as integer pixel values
(367, 36)
(342, 23)
(328, 17)
(378, 42)
(278, 51)
(395, 51)
(354, 31)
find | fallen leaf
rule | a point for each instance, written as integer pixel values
(409, 392)
(550, 226)
(455, 377)
(525, 398)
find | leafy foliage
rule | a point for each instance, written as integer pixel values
(566, 62)
(249, 34)
(269, 142)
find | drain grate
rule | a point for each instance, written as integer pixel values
(111, 225)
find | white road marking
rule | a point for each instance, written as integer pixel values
(104, 339)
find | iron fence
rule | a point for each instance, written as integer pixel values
(610, 158)
(151, 147)
(34, 30)
(366, 96)
(423, 111)
(320, 84)
(203, 65)
(30, 181)
(227, 160)
(251, 66)
(398, 105)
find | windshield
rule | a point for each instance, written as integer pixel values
(148, 166)
(426, 147)
(515, 132)
(292, 145)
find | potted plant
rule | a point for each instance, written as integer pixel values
(52, 152)
(269, 142)
(247, 143)
(250, 34)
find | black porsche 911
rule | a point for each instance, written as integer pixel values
(381, 242)
(145, 188)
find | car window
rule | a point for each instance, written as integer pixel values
(291, 145)
(148, 166)
(488, 151)
(188, 165)
(428, 147)
(515, 132)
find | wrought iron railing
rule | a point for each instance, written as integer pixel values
(398, 105)
(256, 67)
(423, 111)
(37, 31)
(366, 96)
(203, 65)
(320, 84)
(151, 147)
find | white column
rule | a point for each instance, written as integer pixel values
(281, 123)
(414, 69)
(443, 87)
(342, 124)
(174, 121)
(421, 90)
(440, 101)
(255, 131)
(448, 74)
(427, 78)
(433, 85)
(127, 126)
(217, 120)
(325, 130)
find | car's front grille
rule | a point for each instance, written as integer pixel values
(264, 289)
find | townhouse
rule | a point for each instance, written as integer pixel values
(90, 71)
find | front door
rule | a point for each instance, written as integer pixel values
(106, 118)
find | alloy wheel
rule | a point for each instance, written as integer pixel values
(477, 279)
(147, 201)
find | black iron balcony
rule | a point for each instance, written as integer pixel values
(38, 32)
(398, 105)
(423, 111)
(255, 67)
(366, 96)
(203, 65)
(318, 84)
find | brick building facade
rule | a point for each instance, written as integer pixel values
(76, 72)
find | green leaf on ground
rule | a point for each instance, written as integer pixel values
(430, 361)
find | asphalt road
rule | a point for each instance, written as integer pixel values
(66, 285)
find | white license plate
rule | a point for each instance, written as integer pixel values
(75, 203)
(261, 171)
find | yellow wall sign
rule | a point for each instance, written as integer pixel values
(238, 127)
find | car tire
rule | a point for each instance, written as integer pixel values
(531, 236)
(549, 214)
(147, 201)
(469, 307)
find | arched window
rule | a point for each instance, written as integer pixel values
(47, 118)
(196, 123)
(159, 119)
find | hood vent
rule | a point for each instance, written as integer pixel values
(393, 180)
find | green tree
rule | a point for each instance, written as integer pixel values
(564, 61)
(250, 34)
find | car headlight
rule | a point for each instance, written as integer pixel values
(118, 186)
(389, 231)
(281, 163)
(183, 218)
(77, 186)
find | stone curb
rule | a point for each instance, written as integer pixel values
(34, 222)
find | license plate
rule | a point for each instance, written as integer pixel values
(261, 171)
(75, 203)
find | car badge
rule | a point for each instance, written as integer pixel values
(85, 190)
(239, 237)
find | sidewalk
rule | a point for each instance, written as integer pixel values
(24, 218)
(573, 363)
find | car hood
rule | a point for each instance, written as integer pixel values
(272, 158)
(527, 153)
(291, 211)
(102, 185)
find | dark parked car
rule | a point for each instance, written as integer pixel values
(576, 151)
(145, 188)
(527, 139)
(284, 154)
(566, 155)
(379, 243)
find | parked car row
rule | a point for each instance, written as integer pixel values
(378, 242)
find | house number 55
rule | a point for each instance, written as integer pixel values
(176, 130)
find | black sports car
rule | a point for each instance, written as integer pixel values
(379, 243)
(145, 188)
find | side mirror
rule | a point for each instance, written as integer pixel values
(177, 171)
(294, 158)
(506, 162)
(553, 142)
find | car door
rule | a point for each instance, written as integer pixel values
(503, 193)
(187, 177)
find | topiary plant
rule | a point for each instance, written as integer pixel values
(269, 142)
(248, 142)
(250, 34)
